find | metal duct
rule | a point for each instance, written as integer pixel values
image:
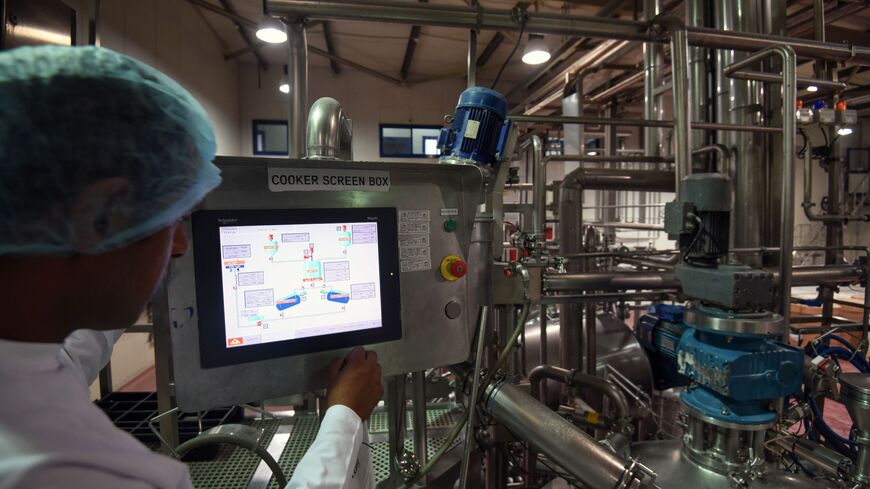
(330, 132)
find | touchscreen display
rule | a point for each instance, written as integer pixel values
(290, 281)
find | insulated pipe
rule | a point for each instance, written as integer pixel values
(576, 452)
(789, 123)
(572, 378)
(539, 23)
(297, 99)
(682, 87)
(329, 133)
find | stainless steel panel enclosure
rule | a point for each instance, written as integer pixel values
(429, 337)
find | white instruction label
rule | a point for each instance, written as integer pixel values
(313, 179)
(471, 129)
(413, 228)
(415, 253)
(450, 212)
(409, 240)
(421, 215)
(415, 265)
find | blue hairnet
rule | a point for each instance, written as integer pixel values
(97, 150)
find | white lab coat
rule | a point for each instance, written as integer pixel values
(52, 435)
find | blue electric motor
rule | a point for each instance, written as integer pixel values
(480, 129)
(735, 370)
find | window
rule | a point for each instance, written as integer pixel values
(270, 138)
(409, 141)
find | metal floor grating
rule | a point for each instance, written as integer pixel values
(381, 454)
(435, 418)
(232, 468)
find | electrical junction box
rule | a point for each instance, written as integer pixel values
(825, 116)
(728, 286)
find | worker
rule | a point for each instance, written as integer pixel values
(101, 157)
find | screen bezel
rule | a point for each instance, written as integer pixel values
(205, 226)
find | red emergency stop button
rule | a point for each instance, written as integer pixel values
(453, 268)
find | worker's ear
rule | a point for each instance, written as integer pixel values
(100, 210)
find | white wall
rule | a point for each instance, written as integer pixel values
(171, 36)
(367, 100)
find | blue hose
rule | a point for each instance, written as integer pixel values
(847, 352)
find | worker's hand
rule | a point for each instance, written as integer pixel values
(355, 382)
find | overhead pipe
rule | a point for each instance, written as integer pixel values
(716, 126)
(610, 179)
(566, 445)
(543, 23)
(617, 89)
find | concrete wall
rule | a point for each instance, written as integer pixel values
(171, 36)
(367, 100)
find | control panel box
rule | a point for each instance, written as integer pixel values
(242, 329)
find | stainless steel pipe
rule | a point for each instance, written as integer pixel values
(329, 135)
(682, 87)
(576, 452)
(610, 281)
(297, 99)
(503, 20)
(573, 378)
(789, 124)
(607, 179)
(539, 185)
(613, 281)
(716, 126)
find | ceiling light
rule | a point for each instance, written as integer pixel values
(536, 51)
(812, 88)
(592, 153)
(844, 131)
(284, 85)
(271, 30)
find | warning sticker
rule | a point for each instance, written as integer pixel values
(415, 253)
(409, 252)
(410, 240)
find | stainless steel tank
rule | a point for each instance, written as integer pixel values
(666, 458)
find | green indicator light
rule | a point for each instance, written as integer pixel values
(450, 225)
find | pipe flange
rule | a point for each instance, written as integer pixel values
(749, 324)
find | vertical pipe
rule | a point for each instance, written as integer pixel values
(696, 16)
(539, 186)
(395, 400)
(789, 123)
(570, 241)
(471, 62)
(682, 95)
(737, 103)
(297, 74)
(472, 403)
(652, 78)
(774, 23)
(418, 383)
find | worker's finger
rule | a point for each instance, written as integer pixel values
(370, 355)
(334, 369)
(357, 355)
